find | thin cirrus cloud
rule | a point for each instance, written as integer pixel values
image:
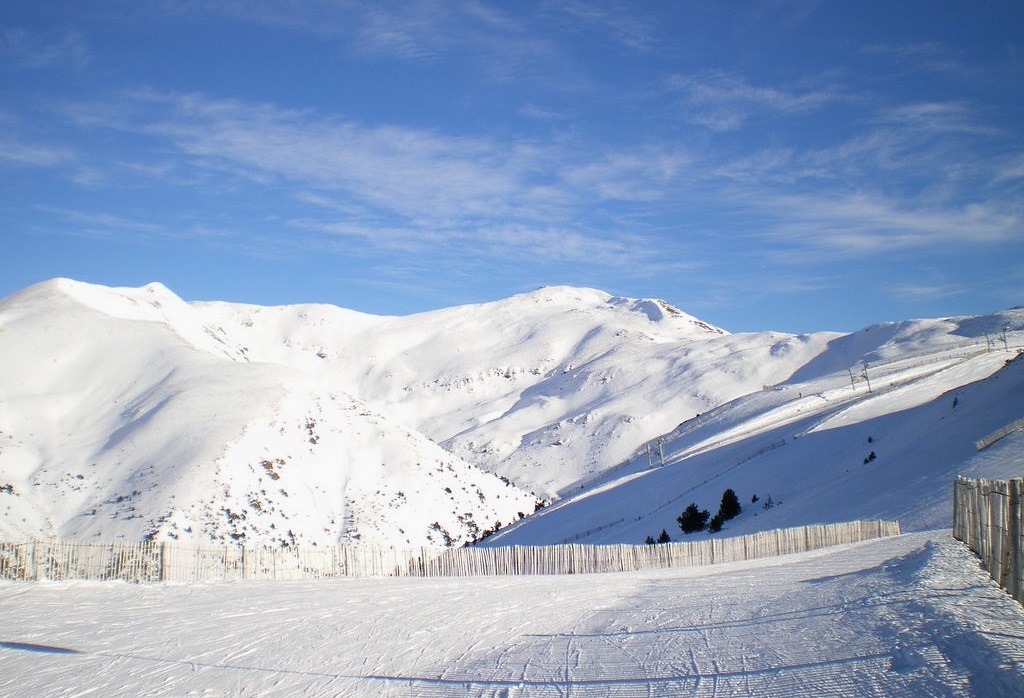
(404, 189)
(416, 31)
(413, 173)
(937, 117)
(514, 243)
(17, 151)
(923, 56)
(89, 224)
(861, 225)
(409, 171)
(928, 292)
(46, 49)
(623, 24)
(724, 101)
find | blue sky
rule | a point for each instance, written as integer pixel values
(772, 164)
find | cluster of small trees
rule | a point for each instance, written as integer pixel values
(695, 519)
(663, 538)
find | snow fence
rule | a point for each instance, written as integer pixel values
(989, 439)
(987, 516)
(180, 562)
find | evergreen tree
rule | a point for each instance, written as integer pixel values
(716, 523)
(650, 540)
(664, 538)
(693, 519)
(730, 506)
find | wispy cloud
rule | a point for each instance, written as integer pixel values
(624, 24)
(806, 228)
(16, 151)
(927, 291)
(930, 56)
(409, 189)
(534, 111)
(514, 243)
(421, 30)
(1008, 169)
(790, 13)
(482, 35)
(935, 118)
(48, 49)
(21, 150)
(106, 226)
(415, 176)
(412, 172)
(724, 101)
(403, 189)
(641, 173)
(318, 17)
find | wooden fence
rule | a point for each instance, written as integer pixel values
(179, 562)
(989, 439)
(987, 516)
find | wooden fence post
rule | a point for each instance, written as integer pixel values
(1012, 545)
(987, 517)
(160, 561)
(36, 564)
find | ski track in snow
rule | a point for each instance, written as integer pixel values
(907, 616)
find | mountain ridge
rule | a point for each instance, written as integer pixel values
(130, 412)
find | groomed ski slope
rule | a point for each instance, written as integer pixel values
(907, 616)
(806, 445)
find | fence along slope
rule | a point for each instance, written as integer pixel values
(177, 562)
(988, 516)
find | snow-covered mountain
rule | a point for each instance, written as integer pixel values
(542, 388)
(129, 412)
(124, 413)
(813, 451)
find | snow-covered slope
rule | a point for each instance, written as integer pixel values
(130, 412)
(123, 414)
(527, 387)
(913, 616)
(547, 389)
(813, 452)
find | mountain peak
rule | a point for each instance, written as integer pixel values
(129, 412)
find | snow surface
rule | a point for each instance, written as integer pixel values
(130, 413)
(907, 616)
(807, 446)
(127, 412)
(122, 414)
